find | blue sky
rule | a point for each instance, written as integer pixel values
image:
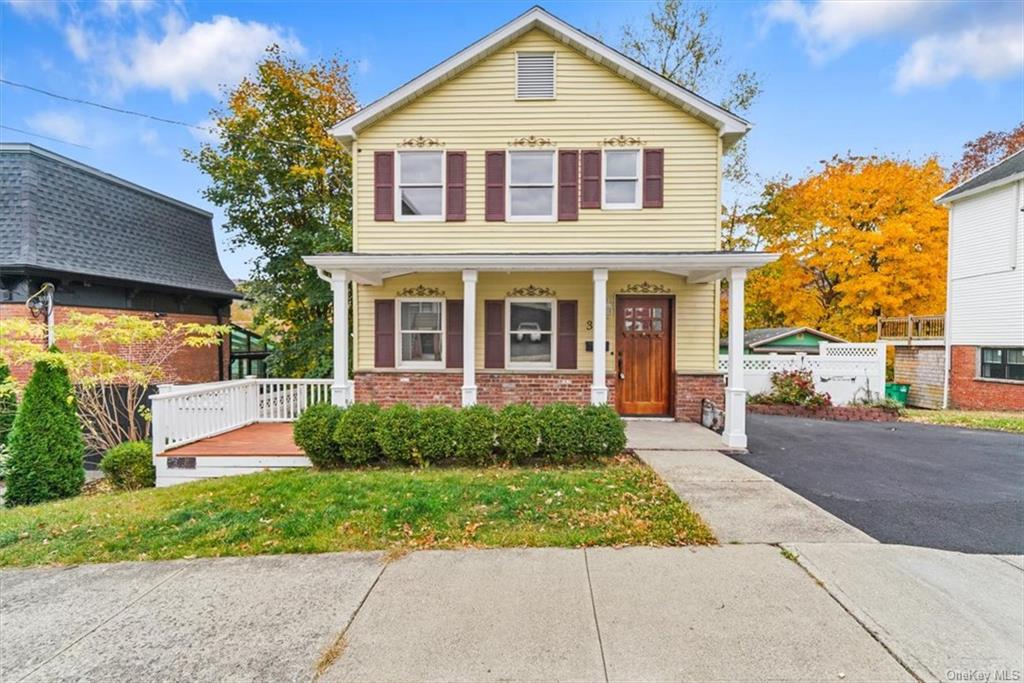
(913, 78)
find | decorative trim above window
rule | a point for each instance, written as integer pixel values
(624, 141)
(421, 141)
(535, 75)
(420, 291)
(646, 287)
(531, 291)
(531, 141)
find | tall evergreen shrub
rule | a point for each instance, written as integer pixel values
(46, 441)
(8, 402)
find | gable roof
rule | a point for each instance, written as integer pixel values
(1006, 171)
(62, 216)
(730, 126)
(765, 335)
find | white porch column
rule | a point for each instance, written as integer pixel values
(598, 387)
(341, 390)
(469, 278)
(735, 435)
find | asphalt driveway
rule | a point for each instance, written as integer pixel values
(924, 485)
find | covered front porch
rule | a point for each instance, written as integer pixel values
(493, 328)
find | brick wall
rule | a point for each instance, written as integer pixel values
(968, 392)
(495, 389)
(691, 389)
(186, 366)
(922, 367)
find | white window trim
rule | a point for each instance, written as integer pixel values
(422, 364)
(440, 218)
(554, 187)
(518, 365)
(554, 75)
(638, 201)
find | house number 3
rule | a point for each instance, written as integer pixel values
(590, 325)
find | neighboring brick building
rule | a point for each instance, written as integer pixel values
(111, 247)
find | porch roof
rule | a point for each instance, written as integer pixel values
(695, 266)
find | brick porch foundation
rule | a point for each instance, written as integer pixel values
(691, 389)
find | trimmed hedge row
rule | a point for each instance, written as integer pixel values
(364, 433)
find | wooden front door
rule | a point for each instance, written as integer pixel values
(643, 353)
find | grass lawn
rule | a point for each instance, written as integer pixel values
(969, 419)
(613, 502)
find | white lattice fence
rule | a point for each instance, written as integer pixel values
(848, 372)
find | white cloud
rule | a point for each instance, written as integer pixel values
(113, 7)
(36, 9)
(829, 27)
(363, 66)
(78, 41)
(59, 125)
(948, 39)
(198, 57)
(983, 53)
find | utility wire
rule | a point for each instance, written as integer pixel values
(129, 112)
(43, 137)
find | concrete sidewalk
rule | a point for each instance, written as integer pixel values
(735, 612)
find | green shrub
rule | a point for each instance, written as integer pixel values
(129, 465)
(8, 402)
(475, 428)
(355, 434)
(46, 439)
(518, 432)
(604, 432)
(396, 434)
(561, 431)
(437, 433)
(314, 434)
(794, 388)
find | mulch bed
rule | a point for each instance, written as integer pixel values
(841, 413)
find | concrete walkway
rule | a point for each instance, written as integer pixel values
(740, 504)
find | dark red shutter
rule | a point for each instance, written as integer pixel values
(453, 333)
(567, 326)
(455, 179)
(384, 186)
(494, 334)
(590, 179)
(494, 186)
(568, 185)
(384, 333)
(654, 178)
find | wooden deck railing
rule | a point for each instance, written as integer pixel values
(189, 413)
(912, 327)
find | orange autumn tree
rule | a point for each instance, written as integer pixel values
(859, 239)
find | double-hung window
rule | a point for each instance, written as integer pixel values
(531, 323)
(1002, 363)
(531, 186)
(421, 333)
(622, 171)
(420, 179)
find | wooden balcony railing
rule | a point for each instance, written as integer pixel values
(912, 327)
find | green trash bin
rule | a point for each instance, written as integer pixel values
(897, 392)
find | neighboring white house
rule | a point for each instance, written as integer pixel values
(984, 333)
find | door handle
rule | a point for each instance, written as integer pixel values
(618, 357)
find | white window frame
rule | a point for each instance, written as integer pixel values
(548, 218)
(440, 218)
(431, 364)
(620, 206)
(554, 75)
(526, 365)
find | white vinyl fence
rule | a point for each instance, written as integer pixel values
(848, 372)
(187, 413)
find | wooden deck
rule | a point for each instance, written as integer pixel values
(266, 439)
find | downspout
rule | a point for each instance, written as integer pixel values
(220, 348)
(947, 332)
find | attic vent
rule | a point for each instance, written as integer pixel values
(535, 75)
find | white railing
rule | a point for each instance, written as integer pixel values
(187, 413)
(848, 372)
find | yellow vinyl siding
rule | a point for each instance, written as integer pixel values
(477, 111)
(695, 310)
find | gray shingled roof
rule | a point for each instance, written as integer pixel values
(59, 215)
(1010, 166)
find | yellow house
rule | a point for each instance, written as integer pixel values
(537, 219)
